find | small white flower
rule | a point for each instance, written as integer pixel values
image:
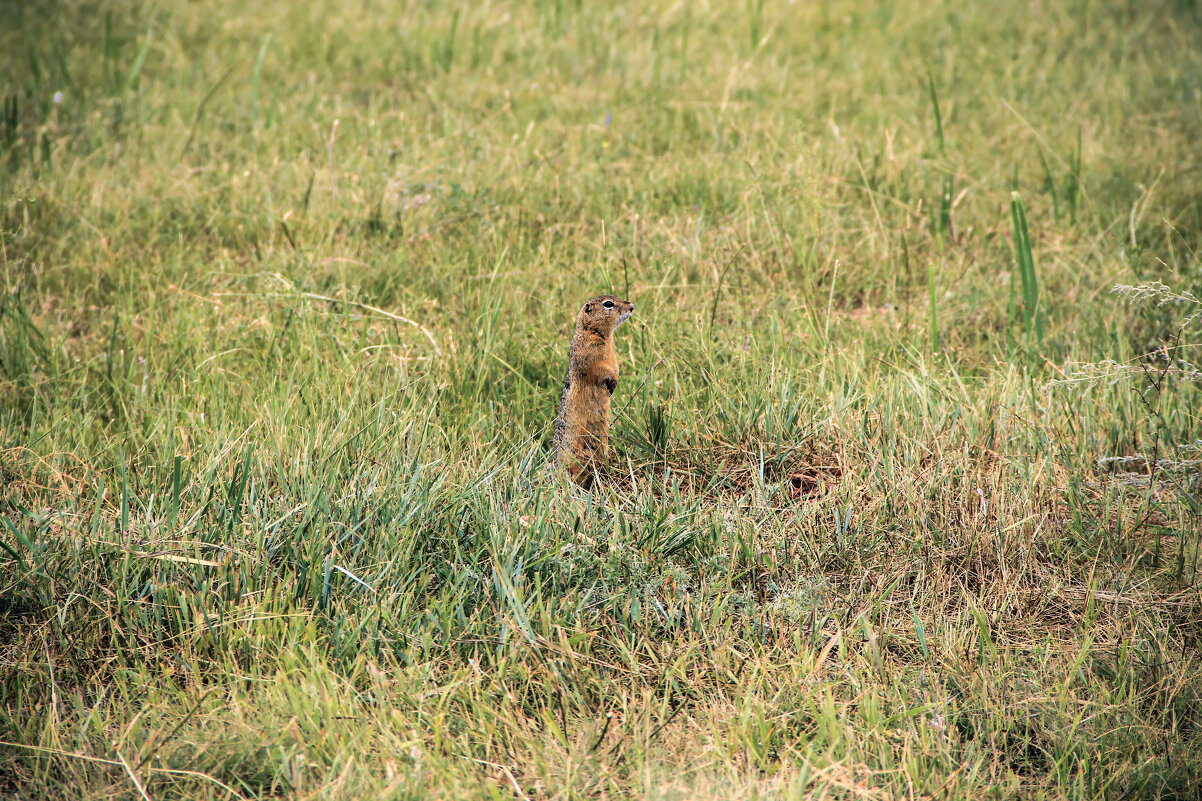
(58, 98)
(417, 201)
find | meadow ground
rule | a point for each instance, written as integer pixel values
(905, 500)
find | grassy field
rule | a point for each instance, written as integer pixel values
(905, 501)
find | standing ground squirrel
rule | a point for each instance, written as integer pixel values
(582, 427)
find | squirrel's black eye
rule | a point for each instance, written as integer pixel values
(609, 304)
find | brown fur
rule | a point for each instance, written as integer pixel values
(582, 426)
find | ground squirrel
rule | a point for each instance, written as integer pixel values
(582, 427)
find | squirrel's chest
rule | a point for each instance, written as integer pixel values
(591, 389)
(590, 399)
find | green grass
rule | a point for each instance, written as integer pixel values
(287, 289)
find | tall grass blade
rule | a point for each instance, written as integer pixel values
(933, 95)
(934, 318)
(254, 80)
(1025, 260)
(136, 70)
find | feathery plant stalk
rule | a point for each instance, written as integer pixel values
(1168, 384)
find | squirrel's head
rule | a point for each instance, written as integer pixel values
(606, 312)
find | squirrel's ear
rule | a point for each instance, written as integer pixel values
(588, 308)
